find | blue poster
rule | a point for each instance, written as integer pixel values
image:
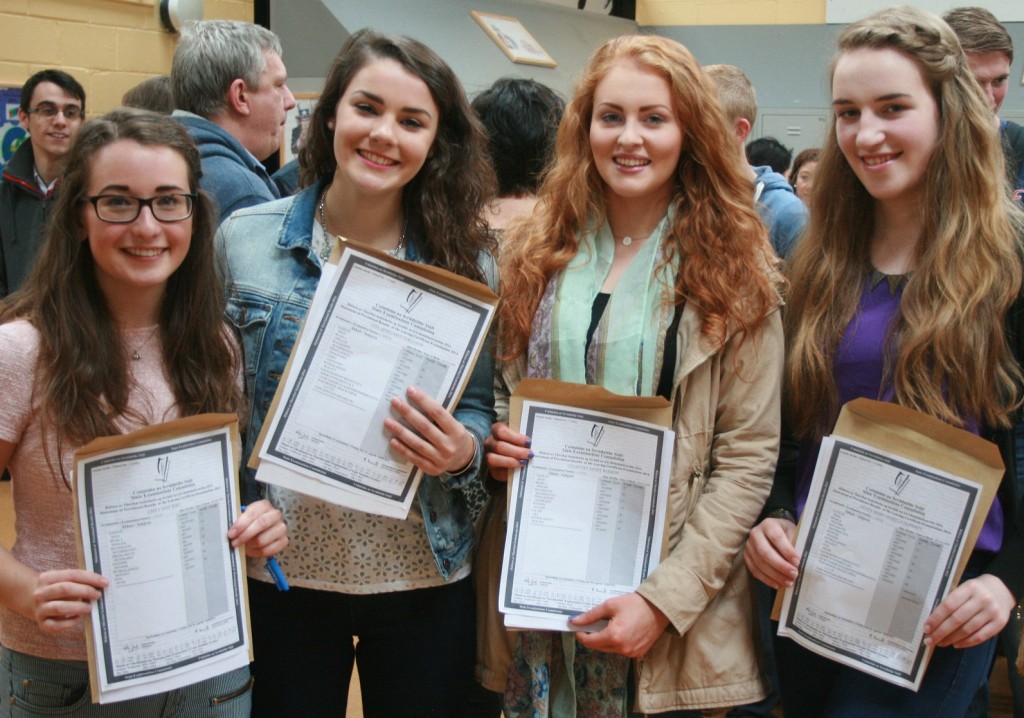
(11, 133)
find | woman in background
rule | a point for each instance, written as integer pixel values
(521, 118)
(802, 174)
(646, 270)
(905, 289)
(119, 326)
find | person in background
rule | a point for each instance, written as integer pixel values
(153, 94)
(521, 118)
(989, 50)
(394, 160)
(802, 176)
(119, 326)
(646, 270)
(51, 111)
(903, 235)
(231, 93)
(769, 152)
(781, 211)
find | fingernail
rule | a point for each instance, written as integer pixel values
(523, 462)
(531, 455)
(529, 442)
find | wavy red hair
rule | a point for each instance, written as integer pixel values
(725, 263)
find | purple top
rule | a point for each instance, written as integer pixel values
(858, 366)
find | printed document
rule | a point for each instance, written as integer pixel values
(879, 543)
(153, 520)
(375, 327)
(587, 514)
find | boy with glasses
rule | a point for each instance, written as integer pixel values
(51, 111)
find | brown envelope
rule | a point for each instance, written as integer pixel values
(926, 440)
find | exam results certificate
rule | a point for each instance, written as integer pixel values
(587, 514)
(153, 521)
(879, 543)
(374, 328)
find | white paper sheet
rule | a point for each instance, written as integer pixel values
(372, 331)
(879, 543)
(586, 520)
(154, 523)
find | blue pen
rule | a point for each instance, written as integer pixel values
(275, 571)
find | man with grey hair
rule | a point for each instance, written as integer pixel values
(231, 94)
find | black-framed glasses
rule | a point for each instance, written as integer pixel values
(124, 208)
(50, 110)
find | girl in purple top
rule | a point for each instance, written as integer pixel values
(903, 290)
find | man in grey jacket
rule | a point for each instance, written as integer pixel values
(231, 94)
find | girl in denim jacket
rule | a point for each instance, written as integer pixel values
(396, 161)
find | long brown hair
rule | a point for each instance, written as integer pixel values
(82, 370)
(722, 247)
(448, 193)
(949, 355)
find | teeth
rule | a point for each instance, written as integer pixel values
(874, 161)
(140, 252)
(379, 159)
(631, 162)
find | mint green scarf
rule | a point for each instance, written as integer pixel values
(628, 346)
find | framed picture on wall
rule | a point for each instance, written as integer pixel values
(513, 39)
(295, 125)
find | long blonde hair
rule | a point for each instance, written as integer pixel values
(722, 247)
(948, 353)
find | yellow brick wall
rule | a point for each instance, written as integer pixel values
(730, 12)
(108, 45)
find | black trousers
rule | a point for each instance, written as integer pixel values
(415, 651)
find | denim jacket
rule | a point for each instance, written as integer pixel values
(271, 274)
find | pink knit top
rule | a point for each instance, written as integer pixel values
(44, 511)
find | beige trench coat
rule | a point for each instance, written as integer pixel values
(727, 419)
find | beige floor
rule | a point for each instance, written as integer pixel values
(1001, 705)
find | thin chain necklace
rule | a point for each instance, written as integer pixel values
(629, 239)
(136, 356)
(325, 251)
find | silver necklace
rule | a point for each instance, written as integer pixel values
(325, 251)
(136, 356)
(628, 240)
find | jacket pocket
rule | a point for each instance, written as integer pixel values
(250, 316)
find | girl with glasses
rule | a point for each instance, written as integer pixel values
(119, 326)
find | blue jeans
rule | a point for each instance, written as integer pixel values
(815, 686)
(33, 686)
